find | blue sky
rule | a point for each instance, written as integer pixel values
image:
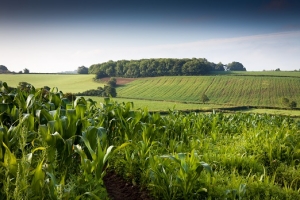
(54, 36)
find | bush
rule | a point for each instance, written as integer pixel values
(70, 96)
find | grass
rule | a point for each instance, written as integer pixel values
(161, 105)
(274, 112)
(64, 82)
(166, 105)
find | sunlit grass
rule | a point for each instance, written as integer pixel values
(274, 112)
(161, 105)
(64, 82)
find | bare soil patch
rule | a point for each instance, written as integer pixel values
(120, 189)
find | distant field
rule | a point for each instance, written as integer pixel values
(64, 82)
(260, 73)
(226, 90)
(160, 105)
(183, 92)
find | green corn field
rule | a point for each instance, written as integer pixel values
(52, 148)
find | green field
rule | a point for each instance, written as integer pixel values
(64, 82)
(162, 93)
(260, 73)
(51, 148)
(161, 105)
(55, 148)
(292, 113)
(226, 90)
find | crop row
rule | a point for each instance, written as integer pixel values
(230, 90)
(51, 148)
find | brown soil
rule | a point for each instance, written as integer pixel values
(120, 81)
(120, 189)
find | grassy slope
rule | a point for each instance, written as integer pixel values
(260, 73)
(226, 89)
(64, 82)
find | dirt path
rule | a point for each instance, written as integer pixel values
(119, 189)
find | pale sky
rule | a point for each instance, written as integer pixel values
(55, 36)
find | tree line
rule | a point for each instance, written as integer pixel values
(159, 67)
(4, 70)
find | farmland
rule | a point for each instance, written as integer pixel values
(51, 148)
(64, 82)
(224, 90)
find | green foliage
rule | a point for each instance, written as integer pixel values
(112, 82)
(293, 105)
(82, 70)
(235, 66)
(3, 69)
(70, 96)
(51, 148)
(154, 67)
(286, 102)
(26, 71)
(204, 98)
(103, 92)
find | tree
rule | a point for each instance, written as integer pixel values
(293, 105)
(236, 66)
(70, 96)
(110, 91)
(204, 98)
(112, 82)
(26, 71)
(219, 67)
(83, 70)
(3, 69)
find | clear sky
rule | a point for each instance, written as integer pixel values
(61, 35)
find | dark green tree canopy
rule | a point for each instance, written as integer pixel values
(82, 70)
(236, 66)
(3, 68)
(293, 104)
(26, 71)
(155, 67)
(112, 82)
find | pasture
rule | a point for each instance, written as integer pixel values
(64, 82)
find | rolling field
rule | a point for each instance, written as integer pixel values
(226, 90)
(64, 82)
(223, 90)
(260, 73)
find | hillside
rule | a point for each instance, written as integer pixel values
(65, 82)
(227, 89)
